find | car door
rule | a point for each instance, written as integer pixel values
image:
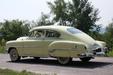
(37, 45)
(34, 45)
(50, 36)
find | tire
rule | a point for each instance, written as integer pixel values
(85, 59)
(37, 58)
(64, 60)
(14, 56)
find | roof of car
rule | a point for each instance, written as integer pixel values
(54, 27)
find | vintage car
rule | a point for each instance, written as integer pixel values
(61, 42)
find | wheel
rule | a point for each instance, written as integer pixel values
(64, 60)
(14, 55)
(85, 59)
(36, 58)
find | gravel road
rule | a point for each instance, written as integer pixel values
(97, 66)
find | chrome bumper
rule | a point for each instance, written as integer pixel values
(97, 52)
(100, 51)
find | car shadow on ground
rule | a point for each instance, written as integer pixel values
(73, 64)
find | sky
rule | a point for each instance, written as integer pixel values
(31, 9)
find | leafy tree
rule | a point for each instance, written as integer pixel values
(96, 33)
(43, 21)
(11, 30)
(59, 9)
(109, 35)
(78, 13)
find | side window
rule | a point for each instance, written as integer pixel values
(52, 34)
(37, 33)
(40, 33)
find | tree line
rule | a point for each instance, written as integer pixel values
(80, 14)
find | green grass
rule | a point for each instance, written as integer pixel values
(10, 72)
(2, 49)
(110, 53)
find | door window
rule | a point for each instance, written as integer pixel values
(52, 34)
(37, 34)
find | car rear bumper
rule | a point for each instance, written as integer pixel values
(93, 53)
(100, 51)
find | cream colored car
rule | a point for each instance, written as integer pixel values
(61, 42)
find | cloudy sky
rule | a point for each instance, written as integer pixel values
(31, 9)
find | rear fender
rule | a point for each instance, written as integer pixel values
(66, 48)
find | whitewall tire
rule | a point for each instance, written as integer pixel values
(64, 60)
(14, 55)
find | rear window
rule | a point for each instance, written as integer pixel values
(74, 30)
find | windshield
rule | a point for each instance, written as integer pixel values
(74, 30)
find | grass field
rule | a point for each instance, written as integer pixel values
(10, 72)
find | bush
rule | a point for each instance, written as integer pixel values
(110, 53)
(2, 42)
(2, 49)
(2, 46)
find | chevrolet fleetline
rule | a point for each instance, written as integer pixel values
(60, 42)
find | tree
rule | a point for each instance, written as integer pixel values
(78, 13)
(59, 9)
(109, 35)
(43, 21)
(11, 30)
